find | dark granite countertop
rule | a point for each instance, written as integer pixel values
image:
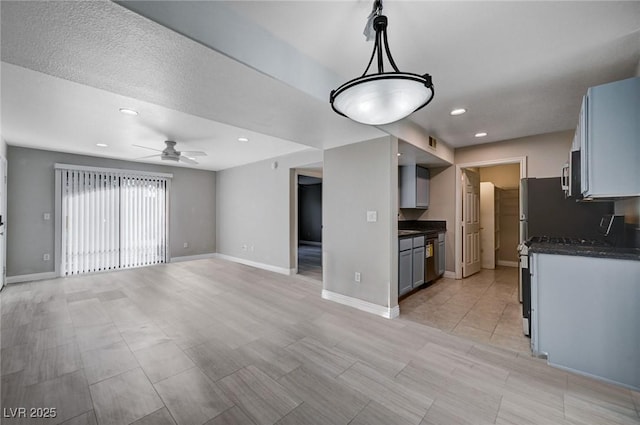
(586, 251)
(407, 233)
(421, 227)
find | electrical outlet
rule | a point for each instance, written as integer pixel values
(185, 245)
(46, 257)
(357, 277)
(372, 216)
(46, 216)
(244, 247)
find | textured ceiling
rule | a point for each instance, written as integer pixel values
(519, 67)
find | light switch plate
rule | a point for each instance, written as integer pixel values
(372, 216)
(46, 216)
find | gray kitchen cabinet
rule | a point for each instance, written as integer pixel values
(405, 271)
(608, 133)
(418, 266)
(413, 181)
(441, 257)
(585, 315)
(410, 263)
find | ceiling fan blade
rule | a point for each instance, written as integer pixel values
(145, 147)
(194, 153)
(187, 160)
(149, 156)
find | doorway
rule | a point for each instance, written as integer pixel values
(499, 215)
(309, 225)
(461, 211)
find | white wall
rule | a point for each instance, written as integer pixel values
(359, 178)
(546, 153)
(3, 148)
(254, 205)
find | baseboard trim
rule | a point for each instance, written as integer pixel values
(192, 257)
(378, 310)
(263, 266)
(507, 263)
(449, 275)
(31, 277)
(313, 243)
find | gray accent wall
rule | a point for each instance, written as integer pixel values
(358, 178)
(31, 193)
(255, 207)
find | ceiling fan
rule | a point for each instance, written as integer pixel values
(171, 154)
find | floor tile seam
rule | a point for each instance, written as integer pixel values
(83, 413)
(155, 390)
(596, 401)
(248, 416)
(498, 409)
(472, 307)
(600, 410)
(345, 385)
(360, 411)
(102, 348)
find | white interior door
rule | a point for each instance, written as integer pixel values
(3, 219)
(471, 222)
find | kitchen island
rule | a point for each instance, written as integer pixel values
(585, 310)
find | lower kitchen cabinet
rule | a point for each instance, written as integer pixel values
(585, 315)
(411, 262)
(418, 266)
(405, 271)
(441, 257)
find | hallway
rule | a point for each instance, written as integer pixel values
(483, 307)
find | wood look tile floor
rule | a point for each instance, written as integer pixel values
(212, 342)
(483, 307)
(310, 261)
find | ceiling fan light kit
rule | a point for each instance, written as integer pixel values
(383, 97)
(171, 154)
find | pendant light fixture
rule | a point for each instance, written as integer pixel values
(382, 97)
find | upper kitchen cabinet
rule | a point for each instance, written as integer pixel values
(414, 186)
(609, 136)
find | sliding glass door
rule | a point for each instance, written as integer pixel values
(111, 219)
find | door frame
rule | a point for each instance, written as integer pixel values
(458, 233)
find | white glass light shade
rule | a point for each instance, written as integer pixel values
(382, 99)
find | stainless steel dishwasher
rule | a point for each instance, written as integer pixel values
(430, 265)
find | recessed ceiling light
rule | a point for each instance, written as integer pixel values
(458, 111)
(481, 134)
(399, 154)
(128, 111)
(101, 145)
(242, 139)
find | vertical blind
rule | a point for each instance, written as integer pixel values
(111, 220)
